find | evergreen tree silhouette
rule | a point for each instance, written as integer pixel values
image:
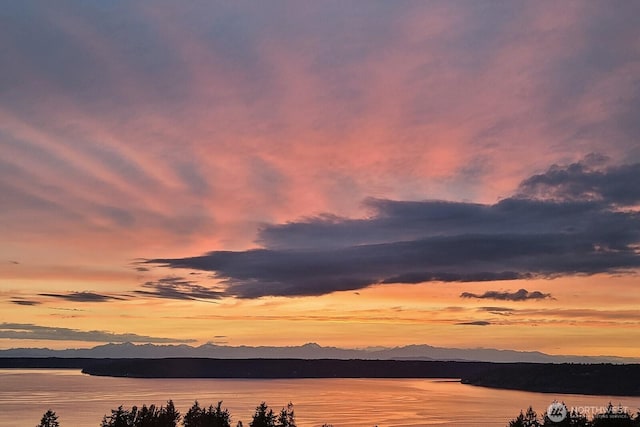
(517, 421)
(193, 417)
(146, 417)
(119, 418)
(263, 417)
(168, 416)
(528, 419)
(217, 417)
(49, 419)
(613, 417)
(286, 418)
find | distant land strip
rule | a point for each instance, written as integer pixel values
(564, 378)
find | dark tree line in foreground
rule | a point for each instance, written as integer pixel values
(611, 417)
(216, 416)
(196, 416)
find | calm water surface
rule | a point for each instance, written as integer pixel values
(81, 400)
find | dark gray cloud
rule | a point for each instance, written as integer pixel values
(28, 331)
(519, 295)
(475, 323)
(25, 302)
(178, 288)
(581, 229)
(579, 181)
(83, 297)
(562, 200)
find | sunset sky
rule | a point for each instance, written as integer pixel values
(351, 173)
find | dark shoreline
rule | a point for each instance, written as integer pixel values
(565, 378)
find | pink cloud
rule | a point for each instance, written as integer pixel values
(173, 127)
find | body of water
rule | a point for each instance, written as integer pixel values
(82, 400)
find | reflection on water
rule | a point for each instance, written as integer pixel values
(81, 400)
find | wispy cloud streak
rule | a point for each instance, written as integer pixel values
(475, 323)
(178, 288)
(28, 331)
(84, 296)
(25, 302)
(519, 295)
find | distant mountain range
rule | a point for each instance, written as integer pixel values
(311, 351)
